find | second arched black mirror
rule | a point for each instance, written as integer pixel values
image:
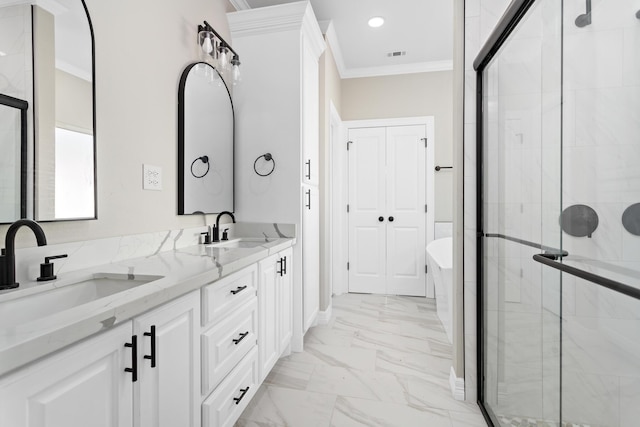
(205, 142)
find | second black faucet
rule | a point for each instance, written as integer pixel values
(216, 229)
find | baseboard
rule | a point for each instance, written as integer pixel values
(456, 384)
(325, 316)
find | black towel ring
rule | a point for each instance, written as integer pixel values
(269, 158)
(205, 160)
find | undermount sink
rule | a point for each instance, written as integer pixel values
(35, 305)
(239, 243)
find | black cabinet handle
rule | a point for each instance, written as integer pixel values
(242, 336)
(380, 218)
(238, 289)
(238, 399)
(391, 219)
(284, 262)
(134, 358)
(308, 205)
(281, 261)
(152, 356)
(308, 163)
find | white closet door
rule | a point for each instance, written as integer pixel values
(387, 219)
(406, 205)
(367, 203)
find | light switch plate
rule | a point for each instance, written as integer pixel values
(151, 177)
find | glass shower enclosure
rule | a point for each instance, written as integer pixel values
(559, 215)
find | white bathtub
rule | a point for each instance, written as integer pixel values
(440, 260)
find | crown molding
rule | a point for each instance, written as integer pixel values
(390, 70)
(311, 30)
(240, 4)
(331, 37)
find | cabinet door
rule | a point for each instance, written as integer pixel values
(84, 385)
(310, 116)
(310, 255)
(285, 300)
(268, 343)
(168, 394)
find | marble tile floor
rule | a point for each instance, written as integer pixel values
(382, 361)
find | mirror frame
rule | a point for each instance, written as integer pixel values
(181, 120)
(23, 106)
(95, 145)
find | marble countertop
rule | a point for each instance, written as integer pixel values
(184, 270)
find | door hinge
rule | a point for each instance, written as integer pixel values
(347, 266)
(349, 142)
(425, 141)
(426, 269)
(347, 208)
(425, 208)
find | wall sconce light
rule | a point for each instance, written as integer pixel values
(214, 45)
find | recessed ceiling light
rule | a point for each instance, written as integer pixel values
(376, 21)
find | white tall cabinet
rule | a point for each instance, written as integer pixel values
(277, 111)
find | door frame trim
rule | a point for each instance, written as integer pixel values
(339, 226)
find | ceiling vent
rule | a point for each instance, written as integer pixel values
(396, 53)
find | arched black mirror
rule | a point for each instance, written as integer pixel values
(205, 142)
(47, 60)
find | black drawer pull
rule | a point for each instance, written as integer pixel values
(152, 357)
(134, 358)
(238, 399)
(284, 262)
(242, 336)
(240, 288)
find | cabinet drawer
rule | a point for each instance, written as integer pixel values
(226, 343)
(222, 408)
(227, 294)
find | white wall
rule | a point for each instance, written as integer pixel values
(410, 95)
(137, 74)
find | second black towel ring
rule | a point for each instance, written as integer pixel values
(205, 160)
(267, 157)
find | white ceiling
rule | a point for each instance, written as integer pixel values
(421, 28)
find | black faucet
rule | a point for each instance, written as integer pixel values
(216, 230)
(8, 258)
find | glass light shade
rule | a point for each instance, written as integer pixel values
(205, 39)
(223, 58)
(235, 72)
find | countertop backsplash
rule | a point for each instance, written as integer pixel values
(91, 253)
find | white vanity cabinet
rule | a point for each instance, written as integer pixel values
(91, 383)
(276, 308)
(83, 385)
(280, 46)
(167, 392)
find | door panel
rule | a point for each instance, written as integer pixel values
(406, 195)
(367, 246)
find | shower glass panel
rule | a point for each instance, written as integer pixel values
(521, 205)
(601, 170)
(559, 215)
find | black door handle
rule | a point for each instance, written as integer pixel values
(380, 218)
(391, 219)
(152, 356)
(134, 358)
